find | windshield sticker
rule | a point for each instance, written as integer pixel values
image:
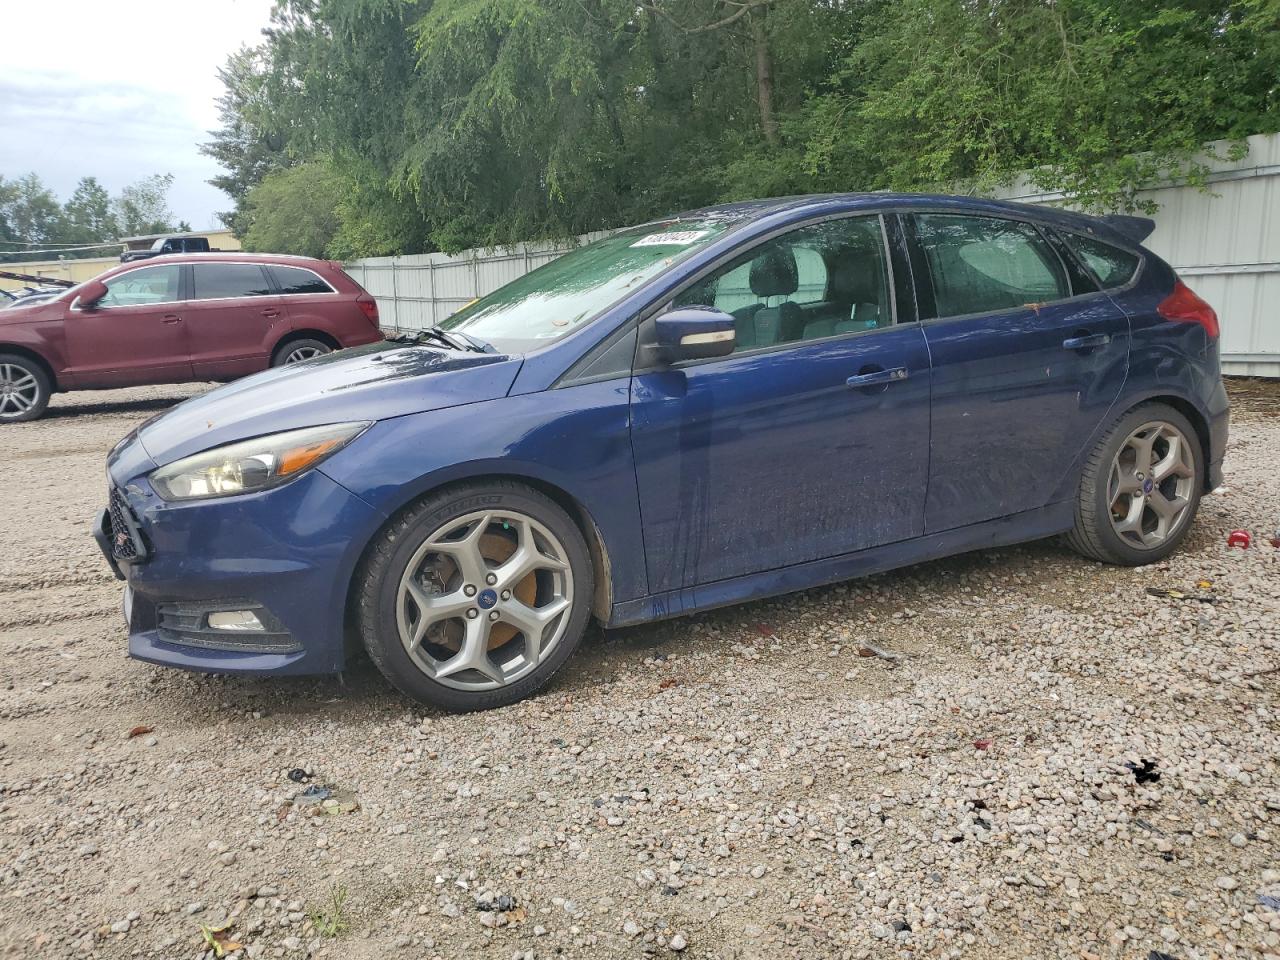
(676, 238)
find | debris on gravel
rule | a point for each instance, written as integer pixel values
(1038, 758)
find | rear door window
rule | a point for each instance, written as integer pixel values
(226, 281)
(1111, 265)
(985, 264)
(295, 280)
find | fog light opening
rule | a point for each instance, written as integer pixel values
(236, 621)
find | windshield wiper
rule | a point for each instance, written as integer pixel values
(454, 341)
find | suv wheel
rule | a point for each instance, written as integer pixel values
(24, 388)
(476, 596)
(1140, 488)
(295, 351)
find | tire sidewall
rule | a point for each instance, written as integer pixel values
(42, 381)
(378, 624)
(1125, 552)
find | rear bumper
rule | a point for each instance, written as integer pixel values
(290, 552)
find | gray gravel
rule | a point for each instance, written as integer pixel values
(740, 784)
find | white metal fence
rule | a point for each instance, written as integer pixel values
(1226, 244)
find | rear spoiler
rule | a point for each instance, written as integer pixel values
(1135, 229)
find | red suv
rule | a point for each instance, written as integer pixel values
(179, 318)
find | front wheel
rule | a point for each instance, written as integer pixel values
(476, 596)
(1140, 488)
(24, 389)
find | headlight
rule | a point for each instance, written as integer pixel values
(252, 465)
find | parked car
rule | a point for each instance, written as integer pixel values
(186, 317)
(29, 296)
(730, 404)
(165, 245)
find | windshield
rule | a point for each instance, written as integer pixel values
(556, 299)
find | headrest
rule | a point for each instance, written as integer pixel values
(774, 273)
(856, 277)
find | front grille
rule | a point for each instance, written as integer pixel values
(124, 529)
(187, 623)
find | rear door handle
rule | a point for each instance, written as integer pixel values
(172, 318)
(271, 313)
(892, 375)
(1084, 343)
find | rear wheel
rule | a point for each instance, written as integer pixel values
(24, 388)
(295, 351)
(475, 597)
(1140, 488)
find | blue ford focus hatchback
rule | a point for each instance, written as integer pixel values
(729, 404)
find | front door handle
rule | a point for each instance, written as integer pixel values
(172, 318)
(874, 377)
(1086, 342)
(271, 313)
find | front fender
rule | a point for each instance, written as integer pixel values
(576, 440)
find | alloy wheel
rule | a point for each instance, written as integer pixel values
(19, 390)
(1151, 486)
(298, 354)
(484, 600)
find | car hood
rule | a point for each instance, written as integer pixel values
(25, 313)
(375, 382)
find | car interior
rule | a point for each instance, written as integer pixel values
(812, 284)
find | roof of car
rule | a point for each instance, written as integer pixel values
(238, 256)
(838, 202)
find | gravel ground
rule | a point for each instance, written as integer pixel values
(739, 784)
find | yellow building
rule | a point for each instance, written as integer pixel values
(80, 270)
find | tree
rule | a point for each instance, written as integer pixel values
(248, 144)
(143, 207)
(1099, 97)
(294, 210)
(88, 216)
(456, 123)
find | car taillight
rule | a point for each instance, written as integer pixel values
(1184, 306)
(370, 308)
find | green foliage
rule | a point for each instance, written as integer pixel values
(248, 145)
(89, 216)
(1099, 97)
(443, 124)
(143, 207)
(294, 210)
(31, 216)
(330, 919)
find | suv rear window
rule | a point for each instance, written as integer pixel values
(223, 281)
(1113, 266)
(296, 280)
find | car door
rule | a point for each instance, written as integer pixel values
(233, 319)
(811, 439)
(133, 335)
(1028, 357)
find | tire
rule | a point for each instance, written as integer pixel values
(1125, 528)
(466, 538)
(295, 351)
(24, 389)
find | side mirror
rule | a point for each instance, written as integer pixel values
(694, 333)
(93, 291)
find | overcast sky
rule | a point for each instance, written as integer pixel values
(119, 91)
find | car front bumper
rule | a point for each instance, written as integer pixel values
(288, 554)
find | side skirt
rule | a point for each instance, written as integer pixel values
(1016, 528)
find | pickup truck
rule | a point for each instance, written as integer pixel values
(168, 245)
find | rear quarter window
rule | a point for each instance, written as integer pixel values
(1112, 266)
(295, 280)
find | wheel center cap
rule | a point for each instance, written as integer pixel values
(1148, 485)
(487, 599)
